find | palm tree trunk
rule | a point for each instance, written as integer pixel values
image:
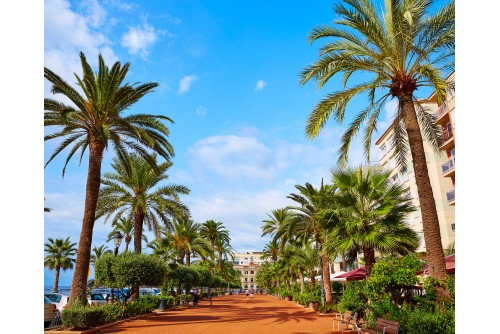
(313, 280)
(332, 267)
(344, 264)
(369, 254)
(79, 284)
(301, 275)
(188, 258)
(220, 262)
(138, 222)
(126, 244)
(430, 222)
(326, 280)
(55, 288)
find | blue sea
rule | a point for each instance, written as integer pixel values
(62, 289)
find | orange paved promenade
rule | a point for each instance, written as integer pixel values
(232, 314)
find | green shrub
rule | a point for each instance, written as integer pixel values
(418, 322)
(328, 308)
(82, 316)
(354, 298)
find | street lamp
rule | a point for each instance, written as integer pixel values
(118, 240)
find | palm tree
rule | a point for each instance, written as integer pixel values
(271, 250)
(224, 250)
(95, 120)
(98, 253)
(59, 257)
(401, 49)
(374, 215)
(213, 231)
(136, 189)
(126, 227)
(186, 239)
(306, 222)
(277, 220)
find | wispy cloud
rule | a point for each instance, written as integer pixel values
(140, 39)
(201, 111)
(185, 83)
(260, 85)
(96, 15)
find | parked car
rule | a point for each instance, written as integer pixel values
(98, 299)
(49, 312)
(59, 299)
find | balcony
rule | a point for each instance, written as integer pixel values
(441, 116)
(446, 141)
(448, 167)
(382, 154)
(450, 196)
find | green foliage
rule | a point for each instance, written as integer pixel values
(449, 282)
(418, 322)
(128, 269)
(332, 308)
(204, 275)
(183, 278)
(82, 316)
(217, 282)
(354, 298)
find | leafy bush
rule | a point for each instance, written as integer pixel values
(82, 316)
(418, 322)
(183, 278)
(354, 298)
(328, 308)
(129, 269)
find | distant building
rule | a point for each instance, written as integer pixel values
(248, 264)
(440, 164)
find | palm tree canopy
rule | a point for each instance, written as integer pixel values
(212, 231)
(97, 116)
(397, 51)
(374, 213)
(186, 238)
(139, 188)
(99, 252)
(59, 253)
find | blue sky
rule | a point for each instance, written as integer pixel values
(228, 78)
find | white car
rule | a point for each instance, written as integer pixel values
(59, 299)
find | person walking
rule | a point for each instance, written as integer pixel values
(247, 293)
(251, 295)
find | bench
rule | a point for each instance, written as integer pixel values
(347, 319)
(383, 326)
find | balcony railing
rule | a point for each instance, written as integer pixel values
(439, 112)
(445, 137)
(448, 164)
(382, 154)
(450, 195)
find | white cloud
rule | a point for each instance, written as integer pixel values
(201, 111)
(66, 33)
(241, 212)
(185, 83)
(96, 15)
(232, 157)
(260, 85)
(139, 39)
(120, 4)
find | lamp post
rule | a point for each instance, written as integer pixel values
(318, 247)
(118, 240)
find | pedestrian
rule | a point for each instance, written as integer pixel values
(247, 293)
(251, 295)
(195, 299)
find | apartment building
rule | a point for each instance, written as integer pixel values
(440, 164)
(248, 264)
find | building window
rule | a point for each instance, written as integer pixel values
(251, 272)
(246, 279)
(395, 178)
(453, 226)
(246, 272)
(251, 279)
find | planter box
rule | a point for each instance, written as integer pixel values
(314, 306)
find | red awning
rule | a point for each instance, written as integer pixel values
(449, 262)
(354, 275)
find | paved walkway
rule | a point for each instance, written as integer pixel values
(232, 314)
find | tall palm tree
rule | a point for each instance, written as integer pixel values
(374, 215)
(99, 252)
(59, 256)
(96, 120)
(224, 251)
(186, 239)
(137, 189)
(277, 220)
(213, 231)
(307, 223)
(398, 51)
